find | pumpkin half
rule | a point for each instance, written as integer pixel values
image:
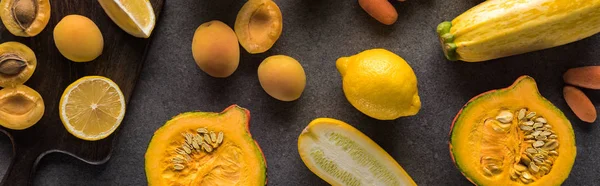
(513, 136)
(206, 148)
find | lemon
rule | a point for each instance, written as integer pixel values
(92, 107)
(135, 17)
(380, 84)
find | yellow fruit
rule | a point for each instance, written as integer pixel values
(215, 49)
(134, 17)
(25, 18)
(380, 84)
(282, 77)
(258, 25)
(20, 107)
(78, 38)
(92, 107)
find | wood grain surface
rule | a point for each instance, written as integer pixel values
(121, 61)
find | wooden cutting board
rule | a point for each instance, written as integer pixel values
(121, 61)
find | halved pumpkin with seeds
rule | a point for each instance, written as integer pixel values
(513, 136)
(206, 148)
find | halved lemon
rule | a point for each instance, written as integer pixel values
(135, 17)
(92, 108)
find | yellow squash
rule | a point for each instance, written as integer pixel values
(490, 148)
(500, 28)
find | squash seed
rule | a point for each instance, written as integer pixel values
(178, 166)
(529, 137)
(545, 169)
(536, 133)
(220, 138)
(554, 153)
(521, 114)
(505, 116)
(553, 136)
(531, 150)
(187, 150)
(534, 168)
(541, 120)
(202, 130)
(195, 145)
(207, 147)
(487, 171)
(180, 151)
(526, 128)
(545, 133)
(525, 180)
(538, 125)
(551, 145)
(538, 144)
(207, 138)
(542, 138)
(520, 168)
(527, 175)
(547, 161)
(530, 115)
(528, 123)
(213, 136)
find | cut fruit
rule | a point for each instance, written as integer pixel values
(20, 107)
(342, 155)
(206, 148)
(134, 17)
(513, 136)
(92, 107)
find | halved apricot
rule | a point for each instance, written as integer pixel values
(20, 107)
(26, 18)
(258, 25)
(17, 63)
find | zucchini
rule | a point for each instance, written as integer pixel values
(500, 28)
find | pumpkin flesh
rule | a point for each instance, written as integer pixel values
(470, 139)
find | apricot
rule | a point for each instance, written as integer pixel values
(215, 49)
(78, 38)
(258, 25)
(25, 18)
(20, 107)
(282, 77)
(17, 63)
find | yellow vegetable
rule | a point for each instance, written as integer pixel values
(500, 28)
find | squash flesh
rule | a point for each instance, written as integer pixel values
(464, 142)
(499, 28)
(237, 161)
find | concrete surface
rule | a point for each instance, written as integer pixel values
(316, 33)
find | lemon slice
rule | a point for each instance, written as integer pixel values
(92, 107)
(135, 17)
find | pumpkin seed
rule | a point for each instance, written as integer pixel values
(202, 130)
(526, 128)
(487, 171)
(548, 126)
(536, 133)
(530, 115)
(213, 136)
(176, 160)
(545, 169)
(529, 137)
(534, 168)
(505, 116)
(195, 145)
(187, 150)
(551, 145)
(526, 175)
(530, 141)
(220, 138)
(521, 114)
(520, 168)
(178, 166)
(538, 125)
(207, 147)
(538, 144)
(554, 153)
(531, 150)
(541, 120)
(545, 133)
(541, 138)
(538, 161)
(528, 123)
(180, 151)
(548, 162)
(553, 136)
(540, 129)
(207, 138)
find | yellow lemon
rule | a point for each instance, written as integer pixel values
(380, 84)
(135, 17)
(92, 108)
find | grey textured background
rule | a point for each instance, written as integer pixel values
(316, 33)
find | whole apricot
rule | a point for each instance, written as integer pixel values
(215, 49)
(258, 25)
(78, 38)
(282, 77)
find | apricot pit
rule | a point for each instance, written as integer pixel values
(26, 18)
(258, 25)
(17, 63)
(20, 107)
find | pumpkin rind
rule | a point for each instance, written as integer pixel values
(233, 122)
(523, 93)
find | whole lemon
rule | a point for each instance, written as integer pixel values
(380, 84)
